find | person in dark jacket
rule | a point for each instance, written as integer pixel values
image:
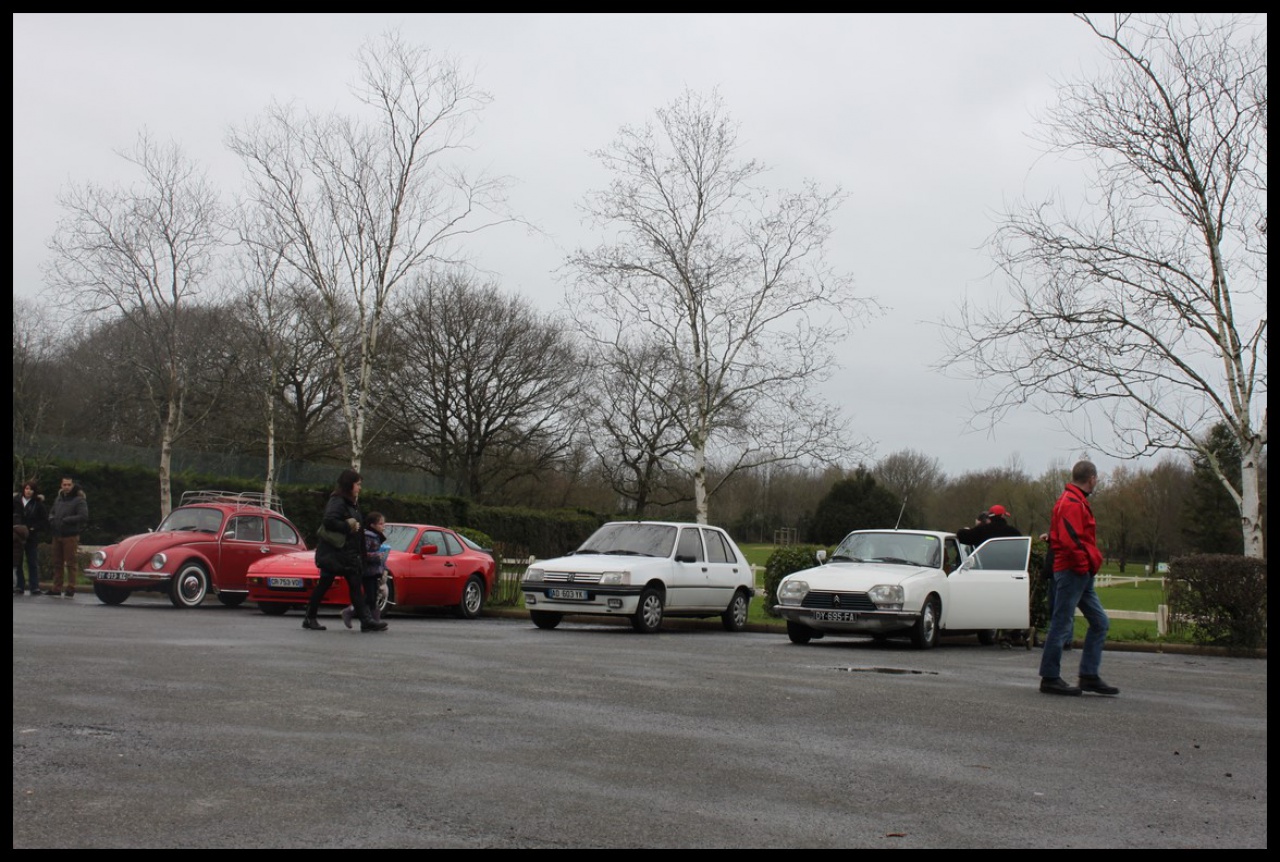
(1073, 540)
(68, 517)
(341, 514)
(993, 524)
(990, 525)
(30, 511)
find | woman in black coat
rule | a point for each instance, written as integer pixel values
(30, 511)
(342, 515)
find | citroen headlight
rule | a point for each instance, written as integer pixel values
(99, 557)
(888, 597)
(158, 561)
(533, 573)
(792, 592)
(621, 578)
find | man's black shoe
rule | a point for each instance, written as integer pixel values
(373, 626)
(1058, 685)
(1096, 685)
(313, 624)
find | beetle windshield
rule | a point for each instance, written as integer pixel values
(911, 549)
(193, 519)
(646, 540)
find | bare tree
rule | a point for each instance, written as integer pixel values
(267, 305)
(480, 384)
(357, 206)
(36, 384)
(142, 254)
(730, 281)
(915, 479)
(631, 406)
(1147, 307)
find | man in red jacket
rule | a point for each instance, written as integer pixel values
(1076, 560)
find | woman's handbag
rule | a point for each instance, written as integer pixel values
(331, 537)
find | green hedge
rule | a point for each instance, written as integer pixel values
(1220, 599)
(124, 501)
(782, 562)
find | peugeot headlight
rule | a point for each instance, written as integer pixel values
(792, 592)
(533, 573)
(99, 557)
(888, 597)
(158, 561)
(620, 578)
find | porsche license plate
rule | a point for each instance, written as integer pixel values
(836, 616)
(285, 583)
(571, 595)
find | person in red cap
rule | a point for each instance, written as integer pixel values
(992, 524)
(993, 527)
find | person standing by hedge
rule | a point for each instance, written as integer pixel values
(1073, 542)
(341, 515)
(67, 518)
(29, 510)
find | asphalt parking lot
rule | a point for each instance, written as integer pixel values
(145, 726)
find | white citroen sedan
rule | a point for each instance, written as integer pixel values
(917, 583)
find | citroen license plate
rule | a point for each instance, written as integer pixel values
(836, 616)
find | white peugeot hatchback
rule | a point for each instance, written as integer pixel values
(644, 570)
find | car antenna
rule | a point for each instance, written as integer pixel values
(900, 511)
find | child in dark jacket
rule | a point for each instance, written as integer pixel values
(374, 562)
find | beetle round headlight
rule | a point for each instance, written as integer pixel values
(99, 557)
(158, 561)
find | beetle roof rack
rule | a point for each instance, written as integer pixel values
(234, 498)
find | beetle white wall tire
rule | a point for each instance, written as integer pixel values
(108, 594)
(189, 586)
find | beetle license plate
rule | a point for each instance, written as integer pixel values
(836, 616)
(112, 576)
(571, 595)
(285, 583)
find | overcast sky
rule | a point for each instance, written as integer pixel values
(925, 120)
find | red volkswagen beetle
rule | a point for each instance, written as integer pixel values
(427, 567)
(205, 545)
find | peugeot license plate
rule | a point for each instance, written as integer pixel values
(571, 595)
